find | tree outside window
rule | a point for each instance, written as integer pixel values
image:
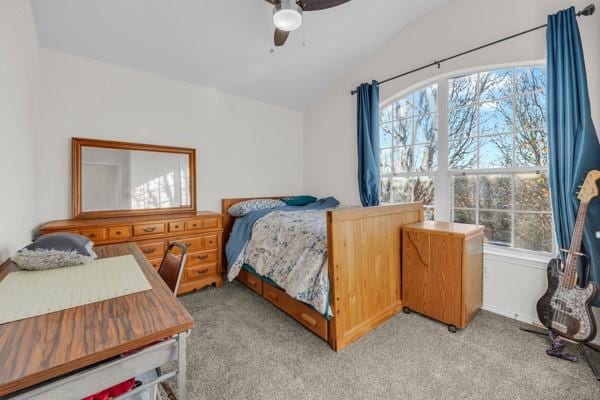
(497, 154)
(408, 140)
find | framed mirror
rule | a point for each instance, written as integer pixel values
(112, 179)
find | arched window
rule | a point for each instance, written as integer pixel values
(492, 153)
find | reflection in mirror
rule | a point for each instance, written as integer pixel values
(119, 179)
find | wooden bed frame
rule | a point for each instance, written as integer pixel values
(364, 253)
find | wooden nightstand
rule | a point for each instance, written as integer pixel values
(442, 271)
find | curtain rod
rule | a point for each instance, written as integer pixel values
(589, 10)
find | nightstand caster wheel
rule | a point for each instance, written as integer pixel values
(452, 328)
(406, 310)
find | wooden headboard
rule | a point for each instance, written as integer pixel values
(229, 220)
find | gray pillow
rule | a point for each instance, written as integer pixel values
(242, 208)
(56, 250)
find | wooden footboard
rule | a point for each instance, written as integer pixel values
(365, 267)
(364, 251)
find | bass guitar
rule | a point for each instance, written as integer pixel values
(565, 308)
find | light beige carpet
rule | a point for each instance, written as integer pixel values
(241, 347)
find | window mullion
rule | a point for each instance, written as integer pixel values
(478, 105)
(442, 180)
(513, 185)
(477, 199)
(512, 210)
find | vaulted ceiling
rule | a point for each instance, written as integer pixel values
(226, 44)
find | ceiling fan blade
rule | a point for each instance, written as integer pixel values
(274, 2)
(280, 37)
(314, 5)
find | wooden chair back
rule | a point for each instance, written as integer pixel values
(171, 267)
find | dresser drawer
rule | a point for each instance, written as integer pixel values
(199, 271)
(94, 234)
(210, 223)
(192, 244)
(201, 258)
(209, 242)
(155, 263)
(302, 313)
(178, 226)
(204, 223)
(193, 225)
(199, 243)
(119, 232)
(152, 250)
(148, 229)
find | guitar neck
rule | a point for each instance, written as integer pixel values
(570, 277)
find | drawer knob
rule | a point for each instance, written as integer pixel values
(203, 271)
(203, 257)
(92, 235)
(188, 244)
(308, 319)
(149, 229)
(272, 297)
(150, 250)
(118, 232)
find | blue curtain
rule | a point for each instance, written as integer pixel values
(572, 142)
(368, 143)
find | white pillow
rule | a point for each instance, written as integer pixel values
(242, 208)
(55, 250)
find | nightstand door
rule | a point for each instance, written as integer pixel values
(416, 293)
(446, 278)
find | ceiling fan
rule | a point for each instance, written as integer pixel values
(287, 14)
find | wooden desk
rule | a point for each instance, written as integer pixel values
(37, 349)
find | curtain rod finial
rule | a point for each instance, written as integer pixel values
(589, 10)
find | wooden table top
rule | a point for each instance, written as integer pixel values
(446, 227)
(68, 223)
(40, 348)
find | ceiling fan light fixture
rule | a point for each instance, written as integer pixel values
(287, 15)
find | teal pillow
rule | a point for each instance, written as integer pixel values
(299, 200)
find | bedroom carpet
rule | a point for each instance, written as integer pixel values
(242, 347)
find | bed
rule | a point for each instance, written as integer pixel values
(363, 269)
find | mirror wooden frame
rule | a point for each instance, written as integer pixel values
(76, 186)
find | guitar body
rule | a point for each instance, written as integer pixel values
(567, 311)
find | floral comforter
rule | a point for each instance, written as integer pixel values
(290, 248)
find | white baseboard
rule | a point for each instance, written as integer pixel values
(511, 314)
(523, 318)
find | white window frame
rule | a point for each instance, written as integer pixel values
(443, 175)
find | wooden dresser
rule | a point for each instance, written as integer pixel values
(442, 271)
(201, 232)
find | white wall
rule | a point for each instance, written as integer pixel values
(512, 286)
(19, 116)
(243, 147)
